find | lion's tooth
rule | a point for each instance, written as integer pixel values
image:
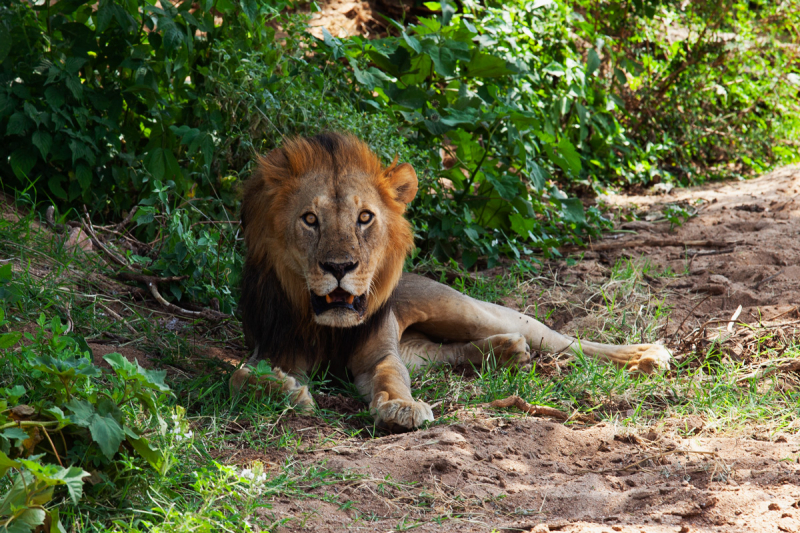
(328, 298)
(350, 299)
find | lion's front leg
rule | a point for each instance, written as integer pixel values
(382, 378)
(388, 388)
(277, 381)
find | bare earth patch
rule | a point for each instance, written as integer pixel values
(528, 474)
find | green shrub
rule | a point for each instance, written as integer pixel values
(74, 421)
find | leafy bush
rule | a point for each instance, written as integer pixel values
(710, 89)
(530, 102)
(75, 420)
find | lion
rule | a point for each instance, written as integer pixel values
(323, 284)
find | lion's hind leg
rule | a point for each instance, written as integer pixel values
(510, 349)
(276, 381)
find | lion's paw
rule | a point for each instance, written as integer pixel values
(298, 394)
(649, 358)
(510, 349)
(400, 414)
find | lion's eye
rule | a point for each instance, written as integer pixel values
(310, 219)
(365, 217)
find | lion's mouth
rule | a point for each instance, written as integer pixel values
(338, 299)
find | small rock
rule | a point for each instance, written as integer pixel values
(684, 529)
(711, 289)
(718, 279)
(616, 528)
(774, 507)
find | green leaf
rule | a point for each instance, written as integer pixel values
(412, 43)
(43, 141)
(82, 412)
(592, 63)
(84, 176)
(120, 365)
(505, 185)
(7, 340)
(485, 65)
(15, 434)
(107, 433)
(448, 10)
(5, 42)
(73, 479)
(250, 9)
(75, 87)
(570, 155)
(6, 273)
(142, 446)
(17, 124)
(154, 163)
(572, 210)
(54, 97)
(22, 161)
(54, 183)
(5, 463)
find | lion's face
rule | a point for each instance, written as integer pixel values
(328, 219)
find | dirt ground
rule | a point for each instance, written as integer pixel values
(528, 474)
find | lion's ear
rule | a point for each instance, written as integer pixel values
(403, 181)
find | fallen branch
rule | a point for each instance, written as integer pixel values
(525, 407)
(87, 228)
(791, 366)
(655, 243)
(152, 283)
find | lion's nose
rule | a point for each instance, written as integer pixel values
(338, 269)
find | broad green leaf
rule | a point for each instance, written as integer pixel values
(570, 155)
(15, 433)
(412, 42)
(84, 176)
(485, 65)
(593, 62)
(17, 124)
(106, 432)
(54, 183)
(42, 140)
(54, 97)
(572, 210)
(506, 185)
(120, 365)
(72, 477)
(22, 161)
(82, 412)
(448, 10)
(6, 462)
(153, 456)
(7, 340)
(154, 378)
(6, 273)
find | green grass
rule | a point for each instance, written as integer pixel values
(209, 439)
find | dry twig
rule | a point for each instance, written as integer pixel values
(525, 407)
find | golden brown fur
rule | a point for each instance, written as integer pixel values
(323, 284)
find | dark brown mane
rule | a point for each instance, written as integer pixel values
(287, 337)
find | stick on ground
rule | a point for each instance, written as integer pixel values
(525, 407)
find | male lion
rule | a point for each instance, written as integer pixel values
(323, 284)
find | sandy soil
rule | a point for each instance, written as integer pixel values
(757, 264)
(525, 474)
